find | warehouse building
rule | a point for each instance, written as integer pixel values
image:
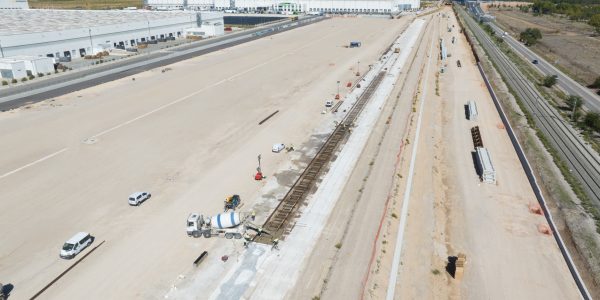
(13, 4)
(76, 33)
(291, 6)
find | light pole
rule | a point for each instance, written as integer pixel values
(358, 68)
(91, 43)
(337, 96)
(1, 50)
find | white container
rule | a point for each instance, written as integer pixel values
(226, 220)
(488, 174)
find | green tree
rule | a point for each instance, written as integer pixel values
(530, 36)
(549, 80)
(592, 120)
(595, 22)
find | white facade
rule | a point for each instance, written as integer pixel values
(300, 6)
(77, 33)
(210, 27)
(14, 4)
(10, 69)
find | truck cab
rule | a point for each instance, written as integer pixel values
(194, 223)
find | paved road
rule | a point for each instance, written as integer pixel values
(568, 85)
(583, 162)
(67, 83)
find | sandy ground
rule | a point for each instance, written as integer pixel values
(570, 45)
(450, 211)
(490, 223)
(190, 136)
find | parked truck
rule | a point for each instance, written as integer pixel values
(229, 225)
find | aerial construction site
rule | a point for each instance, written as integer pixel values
(356, 157)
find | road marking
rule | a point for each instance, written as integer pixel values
(404, 213)
(228, 79)
(33, 163)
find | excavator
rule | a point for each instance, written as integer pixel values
(232, 202)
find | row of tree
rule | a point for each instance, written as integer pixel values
(589, 13)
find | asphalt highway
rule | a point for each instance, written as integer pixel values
(66, 83)
(582, 161)
(568, 85)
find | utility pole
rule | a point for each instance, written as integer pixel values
(358, 68)
(337, 96)
(574, 108)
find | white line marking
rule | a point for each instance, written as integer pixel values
(33, 163)
(230, 78)
(404, 213)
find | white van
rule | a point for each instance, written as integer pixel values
(76, 244)
(278, 148)
(137, 198)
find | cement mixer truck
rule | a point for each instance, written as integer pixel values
(229, 225)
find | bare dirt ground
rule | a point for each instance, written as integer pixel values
(570, 45)
(189, 135)
(451, 211)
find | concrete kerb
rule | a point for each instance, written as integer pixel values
(536, 189)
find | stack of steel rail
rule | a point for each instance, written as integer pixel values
(278, 225)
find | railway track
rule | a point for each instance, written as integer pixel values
(279, 223)
(582, 162)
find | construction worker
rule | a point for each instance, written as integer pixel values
(253, 215)
(275, 243)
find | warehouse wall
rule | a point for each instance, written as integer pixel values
(74, 41)
(358, 6)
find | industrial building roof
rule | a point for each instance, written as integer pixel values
(44, 20)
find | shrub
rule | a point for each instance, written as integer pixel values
(31, 77)
(14, 80)
(4, 82)
(596, 83)
(40, 74)
(592, 120)
(549, 80)
(574, 102)
(23, 79)
(48, 74)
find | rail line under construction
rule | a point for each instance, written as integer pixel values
(280, 222)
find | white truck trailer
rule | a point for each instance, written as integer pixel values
(229, 225)
(488, 174)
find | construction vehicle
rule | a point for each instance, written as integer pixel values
(228, 225)
(232, 202)
(396, 50)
